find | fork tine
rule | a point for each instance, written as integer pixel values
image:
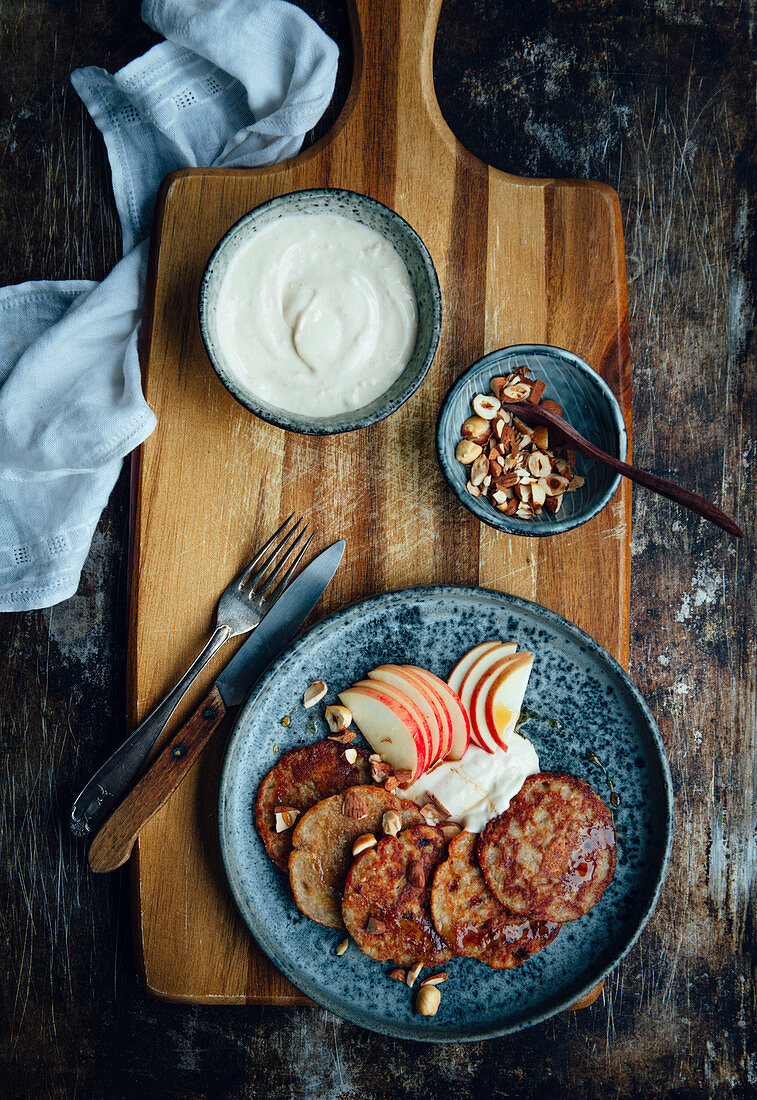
(241, 580)
(287, 576)
(260, 572)
(270, 580)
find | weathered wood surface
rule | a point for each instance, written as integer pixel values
(518, 261)
(659, 103)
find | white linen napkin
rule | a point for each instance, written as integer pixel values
(236, 83)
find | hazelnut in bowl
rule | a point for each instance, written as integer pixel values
(519, 478)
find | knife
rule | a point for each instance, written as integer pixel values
(112, 845)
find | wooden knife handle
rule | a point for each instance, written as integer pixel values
(112, 845)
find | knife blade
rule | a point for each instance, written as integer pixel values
(113, 843)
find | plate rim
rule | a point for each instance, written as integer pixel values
(453, 1034)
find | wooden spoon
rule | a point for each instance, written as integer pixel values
(535, 414)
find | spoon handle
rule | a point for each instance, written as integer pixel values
(692, 501)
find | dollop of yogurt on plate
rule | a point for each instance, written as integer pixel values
(481, 785)
(316, 314)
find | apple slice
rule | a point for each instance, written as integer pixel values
(423, 698)
(498, 672)
(478, 670)
(389, 727)
(484, 660)
(460, 724)
(404, 700)
(455, 678)
(505, 695)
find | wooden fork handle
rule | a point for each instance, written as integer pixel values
(692, 501)
(112, 845)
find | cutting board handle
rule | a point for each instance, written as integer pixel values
(393, 78)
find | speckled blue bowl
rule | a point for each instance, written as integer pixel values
(412, 251)
(589, 405)
(594, 725)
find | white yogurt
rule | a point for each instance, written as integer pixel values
(481, 785)
(316, 315)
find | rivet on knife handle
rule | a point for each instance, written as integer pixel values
(112, 845)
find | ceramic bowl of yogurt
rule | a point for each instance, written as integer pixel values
(320, 311)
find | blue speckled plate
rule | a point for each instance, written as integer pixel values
(589, 705)
(589, 405)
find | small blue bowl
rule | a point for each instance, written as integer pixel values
(413, 253)
(588, 404)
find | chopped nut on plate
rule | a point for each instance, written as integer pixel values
(413, 973)
(428, 1000)
(342, 946)
(338, 718)
(314, 693)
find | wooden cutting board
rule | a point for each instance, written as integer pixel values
(518, 261)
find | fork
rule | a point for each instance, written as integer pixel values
(240, 609)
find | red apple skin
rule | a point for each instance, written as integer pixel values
(494, 672)
(485, 661)
(461, 730)
(522, 660)
(422, 679)
(421, 721)
(405, 716)
(397, 676)
(458, 672)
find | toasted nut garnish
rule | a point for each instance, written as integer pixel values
(473, 489)
(477, 429)
(552, 504)
(538, 495)
(523, 491)
(338, 718)
(555, 484)
(342, 946)
(355, 804)
(391, 822)
(552, 406)
(485, 406)
(398, 975)
(380, 770)
(435, 979)
(575, 483)
(343, 738)
(392, 783)
(524, 511)
(428, 1000)
(479, 469)
(430, 814)
(413, 973)
(404, 775)
(467, 451)
(350, 755)
(540, 436)
(537, 389)
(539, 464)
(511, 506)
(363, 843)
(439, 805)
(450, 830)
(518, 392)
(375, 927)
(285, 817)
(498, 384)
(374, 758)
(314, 694)
(415, 874)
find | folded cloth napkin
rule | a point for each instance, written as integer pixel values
(237, 83)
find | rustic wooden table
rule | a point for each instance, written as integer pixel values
(657, 100)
